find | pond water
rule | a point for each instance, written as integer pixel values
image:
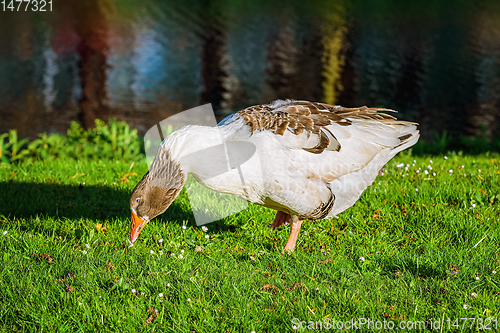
(437, 63)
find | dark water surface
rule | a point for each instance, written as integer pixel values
(436, 62)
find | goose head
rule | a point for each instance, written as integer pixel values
(154, 193)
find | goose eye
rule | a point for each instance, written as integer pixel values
(137, 200)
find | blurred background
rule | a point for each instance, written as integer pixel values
(436, 62)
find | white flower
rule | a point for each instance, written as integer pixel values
(406, 168)
(463, 167)
(206, 210)
(87, 246)
(182, 251)
(477, 278)
(160, 252)
(191, 278)
(493, 272)
(466, 306)
(446, 157)
(160, 295)
(207, 236)
(181, 256)
(429, 167)
(416, 189)
(362, 259)
(317, 289)
(168, 285)
(473, 205)
(430, 161)
(172, 254)
(252, 258)
(189, 299)
(142, 293)
(151, 252)
(434, 174)
(252, 332)
(4, 233)
(205, 229)
(184, 227)
(414, 161)
(450, 171)
(160, 240)
(400, 165)
(426, 172)
(84, 252)
(133, 291)
(80, 303)
(473, 295)
(478, 170)
(294, 327)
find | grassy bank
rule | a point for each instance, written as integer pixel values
(421, 245)
(416, 246)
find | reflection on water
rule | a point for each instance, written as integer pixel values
(141, 61)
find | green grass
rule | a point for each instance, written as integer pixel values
(65, 264)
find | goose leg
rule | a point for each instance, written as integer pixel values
(280, 219)
(294, 232)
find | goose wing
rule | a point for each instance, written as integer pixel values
(338, 149)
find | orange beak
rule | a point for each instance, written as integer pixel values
(136, 226)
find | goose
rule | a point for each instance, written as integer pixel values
(312, 160)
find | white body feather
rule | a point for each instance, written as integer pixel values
(281, 174)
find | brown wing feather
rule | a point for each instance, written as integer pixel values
(300, 116)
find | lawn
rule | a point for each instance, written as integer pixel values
(421, 244)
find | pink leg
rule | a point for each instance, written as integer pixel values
(294, 232)
(280, 219)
